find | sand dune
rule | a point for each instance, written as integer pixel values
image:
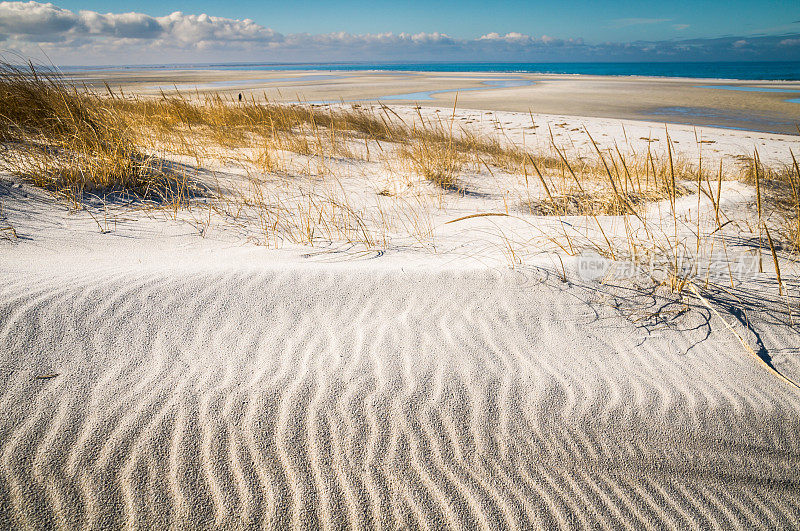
(159, 369)
(363, 396)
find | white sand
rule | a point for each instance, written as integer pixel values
(630, 136)
(201, 380)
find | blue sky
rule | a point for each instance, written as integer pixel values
(150, 31)
(617, 20)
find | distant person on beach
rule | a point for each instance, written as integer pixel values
(240, 96)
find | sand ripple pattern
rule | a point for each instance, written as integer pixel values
(325, 398)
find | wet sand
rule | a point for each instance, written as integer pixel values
(684, 101)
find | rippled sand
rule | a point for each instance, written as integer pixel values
(233, 397)
(153, 377)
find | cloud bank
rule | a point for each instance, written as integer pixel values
(89, 37)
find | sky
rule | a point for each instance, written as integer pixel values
(148, 31)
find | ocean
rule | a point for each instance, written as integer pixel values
(774, 70)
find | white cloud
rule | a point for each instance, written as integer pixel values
(89, 37)
(508, 37)
(200, 28)
(522, 40)
(126, 25)
(35, 19)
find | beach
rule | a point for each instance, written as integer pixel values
(762, 106)
(332, 333)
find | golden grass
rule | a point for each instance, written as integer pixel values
(777, 196)
(69, 141)
(75, 141)
(435, 160)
